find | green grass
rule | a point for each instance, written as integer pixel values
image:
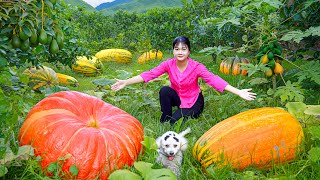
(141, 101)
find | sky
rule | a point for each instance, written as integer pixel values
(95, 3)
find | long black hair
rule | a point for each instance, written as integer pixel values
(183, 40)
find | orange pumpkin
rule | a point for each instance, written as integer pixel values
(258, 137)
(231, 65)
(97, 136)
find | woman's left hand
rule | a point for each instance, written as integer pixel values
(247, 94)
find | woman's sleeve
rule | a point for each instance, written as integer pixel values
(213, 80)
(155, 72)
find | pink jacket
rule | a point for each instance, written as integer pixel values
(186, 83)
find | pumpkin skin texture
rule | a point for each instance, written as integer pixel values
(99, 137)
(258, 137)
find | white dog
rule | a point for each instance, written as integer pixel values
(170, 148)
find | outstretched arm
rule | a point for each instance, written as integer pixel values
(243, 93)
(122, 83)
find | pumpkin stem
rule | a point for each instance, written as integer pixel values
(93, 123)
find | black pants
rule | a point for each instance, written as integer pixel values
(169, 98)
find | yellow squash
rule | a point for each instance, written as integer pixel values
(41, 77)
(67, 80)
(149, 56)
(117, 55)
(259, 137)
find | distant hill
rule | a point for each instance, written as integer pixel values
(110, 4)
(80, 3)
(140, 6)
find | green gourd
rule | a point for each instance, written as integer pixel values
(25, 45)
(16, 42)
(60, 39)
(43, 37)
(34, 38)
(54, 48)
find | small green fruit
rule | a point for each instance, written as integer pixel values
(54, 48)
(25, 45)
(43, 38)
(16, 42)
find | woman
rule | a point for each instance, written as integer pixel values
(184, 91)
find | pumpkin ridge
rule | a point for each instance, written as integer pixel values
(71, 138)
(37, 115)
(121, 139)
(204, 148)
(273, 137)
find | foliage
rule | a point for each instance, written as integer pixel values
(146, 171)
(140, 6)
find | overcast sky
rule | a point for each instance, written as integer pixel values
(95, 3)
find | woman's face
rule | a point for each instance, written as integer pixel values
(181, 52)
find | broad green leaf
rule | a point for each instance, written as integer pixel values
(232, 21)
(123, 74)
(149, 143)
(290, 92)
(295, 36)
(161, 174)
(24, 152)
(124, 174)
(274, 3)
(313, 110)
(296, 108)
(103, 82)
(26, 30)
(313, 31)
(310, 72)
(256, 81)
(314, 154)
(315, 132)
(143, 167)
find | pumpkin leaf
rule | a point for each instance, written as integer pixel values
(23, 154)
(149, 143)
(123, 74)
(312, 110)
(161, 174)
(315, 132)
(103, 82)
(314, 154)
(124, 174)
(296, 108)
(143, 167)
(53, 89)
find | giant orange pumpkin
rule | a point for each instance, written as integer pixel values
(258, 137)
(99, 137)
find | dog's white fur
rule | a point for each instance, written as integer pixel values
(170, 148)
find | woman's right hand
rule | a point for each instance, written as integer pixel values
(118, 85)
